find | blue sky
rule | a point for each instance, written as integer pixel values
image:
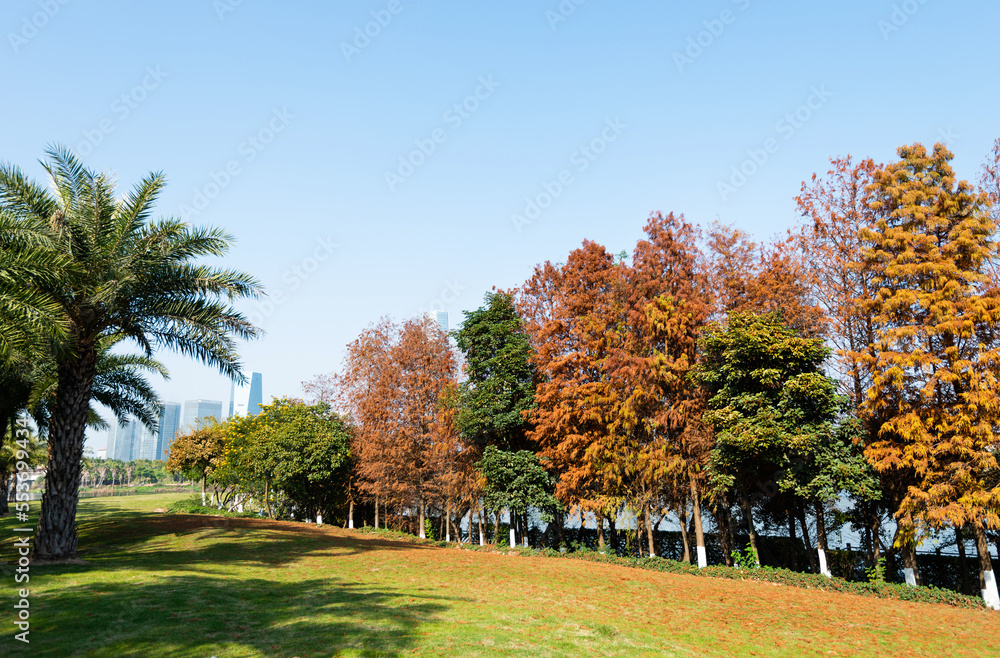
(391, 172)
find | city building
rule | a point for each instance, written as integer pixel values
(256, 396)
(170, 425)
(196, 411)
(441, 317)
(124, 441)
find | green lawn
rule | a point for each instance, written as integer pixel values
(184, 585)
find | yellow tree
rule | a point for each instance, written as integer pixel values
(936, 356)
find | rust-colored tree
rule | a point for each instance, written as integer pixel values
(936, 351)
(392, 384)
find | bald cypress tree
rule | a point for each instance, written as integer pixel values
(937, 354)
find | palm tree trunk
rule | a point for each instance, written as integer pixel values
(5, 471)
(56, 539)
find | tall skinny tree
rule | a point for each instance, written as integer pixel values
(118, 273)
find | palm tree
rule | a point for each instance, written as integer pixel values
(118, 273)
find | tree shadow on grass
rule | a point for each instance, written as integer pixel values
(211, 539)
(207, 615)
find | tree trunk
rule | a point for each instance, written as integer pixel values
(512, 520)
(649, 531)
(821, 541)
(599, 522)
(726, 539)
(987, 580)
(748, 514)
(682, 517)
(267, 498)
(794, 538)
(56, 538)
(420, 519)
(813, 566)
(963, 564)
(699, 532)
(4, 491)
(613, 532)
(496, 527)
(350, 514)
(447, 523)
(376, 512)
(482, 537)
(911, 572)
(5, 471)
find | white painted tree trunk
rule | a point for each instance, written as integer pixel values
(911, 580)
(319, 519)
(350, 516)
(510, 517)
(702, 557)
(420, 520)
(990, 594)
(823, 569)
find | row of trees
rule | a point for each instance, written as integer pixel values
(97, 473)
(85, 272)
(707, 374)
(292, 459)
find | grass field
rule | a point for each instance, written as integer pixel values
(160, 584)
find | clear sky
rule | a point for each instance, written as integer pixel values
(380, 173)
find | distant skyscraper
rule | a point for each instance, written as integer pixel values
(256, 397)
(441, 317)
(147, 442)
(170, 423)
(195, 412)
(126, 443)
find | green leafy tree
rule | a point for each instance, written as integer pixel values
(111, 271)
(291, 455)
(517, 481)
(198, 453)
(776, 415)
(499, 388)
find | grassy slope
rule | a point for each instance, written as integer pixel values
(185, 585)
